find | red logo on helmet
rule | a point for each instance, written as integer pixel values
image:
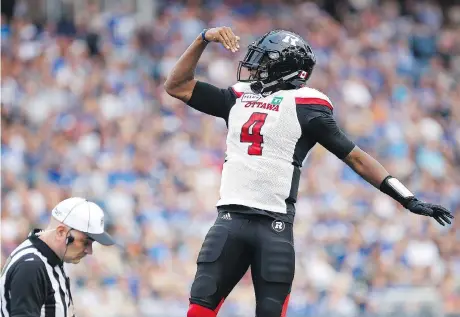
(303, 74)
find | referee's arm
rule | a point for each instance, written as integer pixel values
(27, 288)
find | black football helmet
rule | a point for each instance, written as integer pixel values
(278, 60)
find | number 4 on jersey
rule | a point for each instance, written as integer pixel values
(256, 121)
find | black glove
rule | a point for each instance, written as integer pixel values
(439, 213)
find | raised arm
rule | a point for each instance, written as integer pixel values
(181, 81)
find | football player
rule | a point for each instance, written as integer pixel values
(273, 121)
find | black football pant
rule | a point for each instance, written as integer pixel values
(235, 242)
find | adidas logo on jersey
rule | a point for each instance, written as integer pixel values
(227, 216)
(262, 105)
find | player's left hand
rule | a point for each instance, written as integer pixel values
(439, 213)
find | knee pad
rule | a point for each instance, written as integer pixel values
(199, 311)
(204, 286)
(270, 307)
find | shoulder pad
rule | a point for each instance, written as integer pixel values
(241, 88)
(311, 96)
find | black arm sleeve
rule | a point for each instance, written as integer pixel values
(212, 100)
(28, 285)
(317, 122)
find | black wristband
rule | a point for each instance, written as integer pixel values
(396, 190)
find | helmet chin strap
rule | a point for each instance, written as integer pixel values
(259, 87)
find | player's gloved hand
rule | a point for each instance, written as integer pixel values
(224, 35)
(439, 213)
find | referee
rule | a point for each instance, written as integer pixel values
(33, 281)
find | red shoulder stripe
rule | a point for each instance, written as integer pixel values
(237, 93)
(313, 101)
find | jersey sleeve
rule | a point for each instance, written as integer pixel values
(28, 284)
(211, 100)
(318, 123)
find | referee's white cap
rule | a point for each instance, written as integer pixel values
(85, 216)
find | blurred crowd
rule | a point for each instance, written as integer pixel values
(84, 113)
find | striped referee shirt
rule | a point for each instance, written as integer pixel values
(34, 282)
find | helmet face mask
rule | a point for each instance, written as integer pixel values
(255, 64)
(278, 60)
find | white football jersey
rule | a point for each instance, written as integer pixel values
(266, 148)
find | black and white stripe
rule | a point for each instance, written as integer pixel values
(56, 292)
